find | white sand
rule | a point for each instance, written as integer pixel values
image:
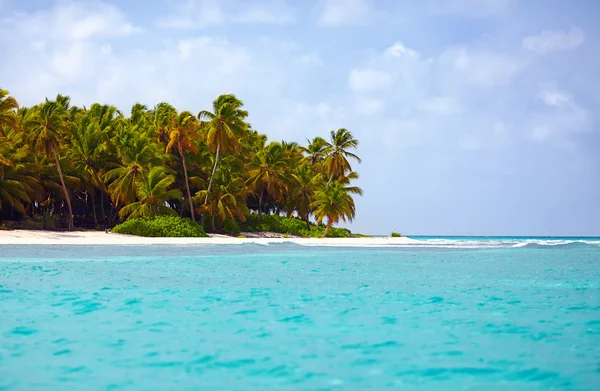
(25, 237)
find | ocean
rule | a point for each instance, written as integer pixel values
(440, 313)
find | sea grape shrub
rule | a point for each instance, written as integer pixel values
(290, 226)
(161, 226)
(231, 227)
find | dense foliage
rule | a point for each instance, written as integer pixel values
(161, 226)
(63, 166)
(290, 225)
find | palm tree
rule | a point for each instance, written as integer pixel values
(337, 153)
(46, 126)
(184, 131)
(136, 152)
(225, 200)
(333, 202)
(302, 192)
(316, 150)
(267, 172)
(17, 185)
(153, 193)
(8, 105)
(224, 126)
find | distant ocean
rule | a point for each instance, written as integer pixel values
(441, 313)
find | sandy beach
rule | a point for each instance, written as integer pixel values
(26, 237)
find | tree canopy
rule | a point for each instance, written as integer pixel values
(96, 167)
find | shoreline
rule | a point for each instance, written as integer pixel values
(33, 237)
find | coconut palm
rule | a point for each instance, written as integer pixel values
(8, 106)
(183, 133)
(225, 200)
(315, 151)
(302, 192)
(224, 126)
(136, 153)
(337, 153)
(152, 190)
(46, 126)
(334, 203)
(267, 172)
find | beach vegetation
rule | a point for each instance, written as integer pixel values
(65, 167)
(161, 226)
(396, 235)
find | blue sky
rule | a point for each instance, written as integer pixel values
(474, 116)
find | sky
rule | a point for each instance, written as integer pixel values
(474, 117)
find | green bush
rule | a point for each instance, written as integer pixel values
(231, 227)
(290, 226)
(396, 235)
(37, 222)
(161, 226)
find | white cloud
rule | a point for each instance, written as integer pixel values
(72, 21)
(483, 67)
(554, 98)
(204, 13)
(369, 79)
(398, 50)
(554, 40)
(335, 13)
(560, 118)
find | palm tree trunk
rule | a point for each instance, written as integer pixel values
(212, 176)
(307, 222)
(187, 185)
(213, 224)
(65, 192)
(329, 224)
(94, 209)
(102, 207)
(260, 200)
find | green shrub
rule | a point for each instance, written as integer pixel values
(37, 222)
(290, 226)
(396, 235)
(161, 226)
(231, 227)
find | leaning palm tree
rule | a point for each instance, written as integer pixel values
(46, 126)
(8, 105)
(184, 132)
(334, 203)
(153, 193)
(337, 162)
(224, 126)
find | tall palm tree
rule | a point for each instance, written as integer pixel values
(334, 203)
(46, 127)
(224, 126)
(136, 153)
(337, 153)
(225, 201)
(184, 132)
(301, 194)
(316, 150)
(8, 106)
(267, 172)
(152, 190)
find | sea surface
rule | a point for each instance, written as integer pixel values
(440, 314)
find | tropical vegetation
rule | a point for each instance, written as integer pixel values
(69, 167)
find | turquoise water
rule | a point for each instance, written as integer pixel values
(286, 317)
